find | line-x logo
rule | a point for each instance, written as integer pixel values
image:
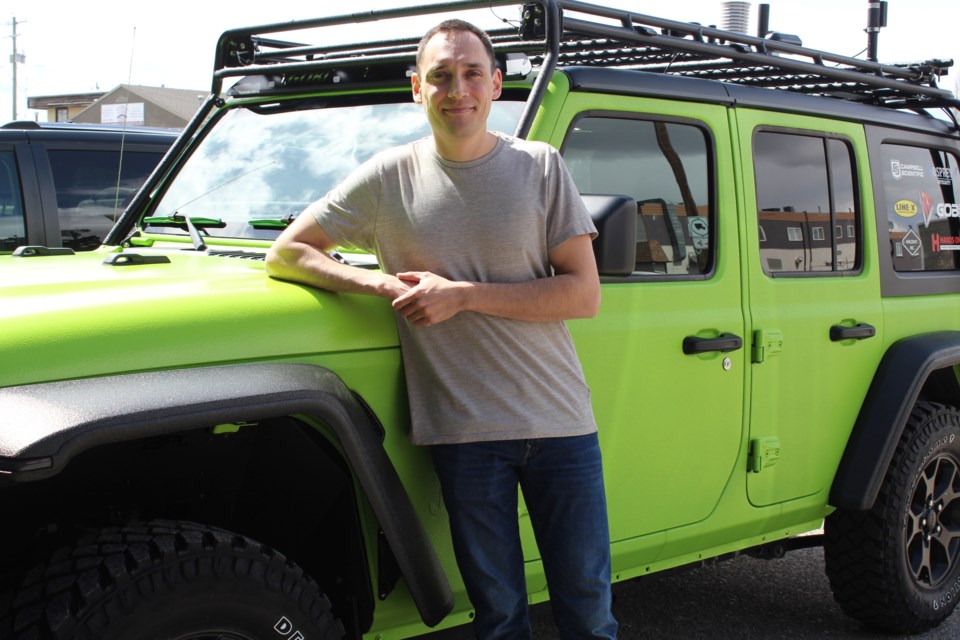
(285, 628)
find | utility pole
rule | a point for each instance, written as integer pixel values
(14, 59)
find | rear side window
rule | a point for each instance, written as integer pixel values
(807, 210)
(93, 190)
(12, 228)
(665, 167)
(920, 192)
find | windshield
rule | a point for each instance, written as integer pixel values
(256, 169)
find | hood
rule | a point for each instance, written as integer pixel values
(64, 317)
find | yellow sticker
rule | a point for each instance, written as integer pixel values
(905, 208)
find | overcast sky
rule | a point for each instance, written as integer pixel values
(76, 47)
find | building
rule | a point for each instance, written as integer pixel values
(63, 108)
(133, 104)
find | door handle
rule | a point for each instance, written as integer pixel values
(724, 342)
(859, 331)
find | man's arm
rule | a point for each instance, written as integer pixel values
(572, 292)
(299, 255)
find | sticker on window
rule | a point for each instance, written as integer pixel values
(906, 170)
(926, 203)
(947, 210)
(911, 243)
(944, 176)
(945, 243)
(905, 208)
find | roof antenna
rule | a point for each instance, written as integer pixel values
(763, 20)
(123, 132)
(876, 20)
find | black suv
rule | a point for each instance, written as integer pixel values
(66, 184)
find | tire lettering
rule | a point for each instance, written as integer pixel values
(284, 627)
(947, 598)
(939, 444)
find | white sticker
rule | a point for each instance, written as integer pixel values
(911, 243)
(904, 170)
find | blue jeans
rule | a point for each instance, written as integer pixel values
(562, 483)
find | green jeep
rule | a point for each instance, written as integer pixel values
(190, 449)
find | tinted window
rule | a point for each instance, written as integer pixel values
(665, 167)
(93, 190)
(12, 228)
(806, 203)
(920, 190)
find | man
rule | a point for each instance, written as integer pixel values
(485, 249)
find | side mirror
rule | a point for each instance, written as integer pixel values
(615, 248)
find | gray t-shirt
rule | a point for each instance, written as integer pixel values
(474, 377)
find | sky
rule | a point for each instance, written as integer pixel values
(77, 47)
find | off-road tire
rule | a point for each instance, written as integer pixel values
(169, 581)
(897, 566)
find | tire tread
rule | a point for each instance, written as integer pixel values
(107, 574)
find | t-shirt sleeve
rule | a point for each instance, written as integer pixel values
(567, 215)
(348, 213)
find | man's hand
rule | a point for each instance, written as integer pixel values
(430, 300)
(573, 291)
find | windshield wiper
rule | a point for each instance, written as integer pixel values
(189, 223)
(273, 223)
(180, 221)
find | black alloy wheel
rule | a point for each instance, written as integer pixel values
(897, 566)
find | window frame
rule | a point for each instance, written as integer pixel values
(906, 283)
(924, 151)
(855, 165)
(712, 192)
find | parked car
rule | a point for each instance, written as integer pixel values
(65, 185)
(190, 449)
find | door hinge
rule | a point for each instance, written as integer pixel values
(766, 342)
(764, 453)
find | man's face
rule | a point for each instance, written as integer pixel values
(456, 84)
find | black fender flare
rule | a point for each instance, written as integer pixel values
(42, 426)
(905, 369)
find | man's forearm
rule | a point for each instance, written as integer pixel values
(559, 297)
(572, 292)
(300, 262)
(433, 299)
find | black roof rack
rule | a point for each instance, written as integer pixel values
(558, 33)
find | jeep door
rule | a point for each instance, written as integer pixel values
(669, 421)
(814, 298)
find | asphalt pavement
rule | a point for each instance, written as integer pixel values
(743, 598)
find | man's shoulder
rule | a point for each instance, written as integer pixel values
(398, 155)
(535, 149)
(530, 146)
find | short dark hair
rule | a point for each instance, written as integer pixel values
(458, 25)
